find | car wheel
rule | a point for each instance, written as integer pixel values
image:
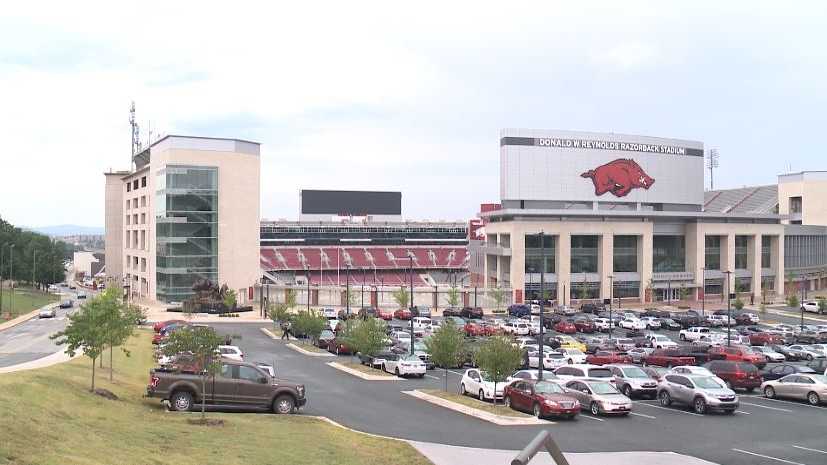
(537, 411)
(665, 399)
(569, 360)
(699, 406)
(396, 371)
(682, 337)
(813, 398)
(769, 392)
(507, 402)
(627, 391)
(181, 401)
(595, 409)
(809, 357)
(481, 395)
(283, 404)
(462, 389)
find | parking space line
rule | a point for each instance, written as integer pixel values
(784, 401)
(642, 415)
(456, 373)
(742, 412)
(811, 450)
(432, 377)
(768, 408)
(671, 409)
(591, 417)
(767, 457)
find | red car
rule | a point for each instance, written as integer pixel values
(739, 354)
(491, 330)
(337, 347)
(736, 374)
(159, 326)
(584, 326)
(667, 358)
(565, 327)
(384, 314)
(542, 398)
(473, 329)
(765, 339)
(402, 314)
(605, 357)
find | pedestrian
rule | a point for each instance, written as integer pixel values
(752, 299)
(285, 330)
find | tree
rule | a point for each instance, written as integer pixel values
(683, 292)
(401, 297)
(822, 305)
(498, 295)
(352, 297)
(365, 336)
(86, 332)
(738, 303)
(310, 324)
(446, 346)
(202, 342)
(277, 312)
(498, 358)
(453, 296)
(230, 298)
(583, 292)
(792, 301)
(120, 319)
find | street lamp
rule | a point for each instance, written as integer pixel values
(803, 297)
(541, 355)
(410, 272)
(728, 309)
(307, 278)
(611, 297)
(347, 290)
(703, 290)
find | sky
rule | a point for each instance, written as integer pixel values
(396, 96)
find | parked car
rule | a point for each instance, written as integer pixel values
(807, 386)
(765, 338)
(421, 323)
(819, 365)
(471, 312)
(542, 398)
(769, 353)
(421, 310)
(404, 365)
(231, 352)
(602, 324)
(81, 295)
(668, 358)
(605, 357)
(338, 347)
(474, 329)
(386, 315)
(747, 319)
(736, 375)
(329, 313)
(400, 337)
(599, 397)
(518, 310)
(477, 382)
(530, 374)
(702, 393)
(325, 337)
(670, 324)
(584, 325)
(790, 355)
(806, 352)
(565, 310)
(694, 370)
(582, 371)
(811, 306)
(625, 344)
(740, 354)
(632, 323)
(633, 381)
(687, 319)
(695, 333)
(50, 312)
(572, 355)
(402, 314)
(567, 342)
(451, 311)
(566, 327)
(639, 353)
(784, 369)
(68, 304)
(591, 308)
(660, 341)
(651, 322)
(241, 385)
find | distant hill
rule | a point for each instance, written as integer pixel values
(67, 230)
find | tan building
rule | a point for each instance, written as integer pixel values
(801, 197)
(189, 210)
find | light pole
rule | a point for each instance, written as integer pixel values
(541, 355)
(307, 278)
(803, 297)
(347, 290)
(703, 290)
(11, 277)
(728, 309)
(410, 309)
(2, 248)
(363, 288)
(611, 297)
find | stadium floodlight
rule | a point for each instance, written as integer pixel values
(712, 162)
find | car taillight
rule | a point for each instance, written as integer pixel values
(740, 374)
(153, 381)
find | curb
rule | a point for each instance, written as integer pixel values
(47, 361)
(476, 413)
(359, 374)
(272, 336)
(307, 352)
(24, 318)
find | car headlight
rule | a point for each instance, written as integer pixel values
(551, 403)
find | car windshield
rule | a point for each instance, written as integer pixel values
(625, 341)
(420, 347)
(411, 358)
(634, 372)
(548, 388)
(708, 383)
(819, 379)
(600, 373)
(603, 388)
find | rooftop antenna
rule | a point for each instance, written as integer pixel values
(711, 163)
(136, 135)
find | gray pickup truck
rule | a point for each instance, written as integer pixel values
(237, 385)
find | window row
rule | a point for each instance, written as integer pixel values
(132, 240)
(135, 184)
(133, 203)
(133, 219)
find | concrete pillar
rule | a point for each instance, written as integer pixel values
(644, 262)
(563, 267)
(695, 254)
(728, 260)
(777, 260)
(517, 269)
(605, 263)
(754, 264)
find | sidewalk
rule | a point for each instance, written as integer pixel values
(441, 454)
(47, 361)
(157, 311)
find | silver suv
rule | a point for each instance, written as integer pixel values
(632, 381)
(702, 393)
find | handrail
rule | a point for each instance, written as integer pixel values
(542, 440)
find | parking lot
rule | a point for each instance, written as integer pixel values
(761, 431)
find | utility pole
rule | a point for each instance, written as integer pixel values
(347, 290)
(703, 290)
(728, 309)
(611, 297)
(541, 355)
(2, 248)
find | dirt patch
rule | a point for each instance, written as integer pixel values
(106, 394)
(206, 421)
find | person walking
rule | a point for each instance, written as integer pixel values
(285, 330)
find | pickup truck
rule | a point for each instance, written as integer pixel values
(667, 358)
(237, 385)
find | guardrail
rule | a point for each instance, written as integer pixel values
(541, 441)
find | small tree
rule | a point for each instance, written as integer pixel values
(445, 346)
(822, 305)
(453, 296)
(202, 342)
(365, 336)
(498, 358)
(401, 297)
(498, 295)
(792, 301)
(583, 292)
(738, 303)
(278, 312)
(86, 331)
(230, 298)
(309, 323)
(683, 292)
(120, 319)
(290, 298)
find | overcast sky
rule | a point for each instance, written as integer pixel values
(396, 96)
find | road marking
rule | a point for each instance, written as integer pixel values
(432, 377)
(812, 450)
(642, 415)
(456, 372)
(785, 402)
(672, 410)
(766, 457)
(742, 412)
(591, 417)
(768, 408)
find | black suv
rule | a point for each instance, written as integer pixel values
(591, 308)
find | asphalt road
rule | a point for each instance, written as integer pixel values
(791, 431)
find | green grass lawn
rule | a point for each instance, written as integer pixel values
(473, 402)
(366, 369)
(25, 300)
(49, 417)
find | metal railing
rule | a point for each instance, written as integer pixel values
(541, 441)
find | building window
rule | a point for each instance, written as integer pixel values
(741, 252)
(622, 289)
(583, 254)
(143, 181)
(128, 186)
(128, 204)
(584, 290)
(135, 184)
(712, 253)
(625, 255)
(128, 219)
(143, 218)
(135, 202)
(143, 265)
(768, 283)
(668, 254)
(143, 201)
(533, 261)
(766, 254)
(714, 286)
(743, 284)
(143, 240)
(532, 291)
(126, 239)
(795, 205)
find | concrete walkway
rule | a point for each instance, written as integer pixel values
(441, 454)
(47, 361)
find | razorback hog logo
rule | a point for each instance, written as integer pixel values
(618, 177)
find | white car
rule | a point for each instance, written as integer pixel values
(231, 352)
(661, 342)
(533, 327)
(694, 370)
(523, 341)
(401, 337)
(50, 312)
(330, 313)
(695, 333)
(720, 320)
(583, 371)
(768, 352)
(421, 323)
(639, 353)
(651, 322)
(573, 355)
(551, 358)
(811, 306)
(632, 323)
(753, 318)
(602, 324)
(521, 329)
(404, 365)
(528, 375)
(566, 310)
(476, 383)
(628, 314)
